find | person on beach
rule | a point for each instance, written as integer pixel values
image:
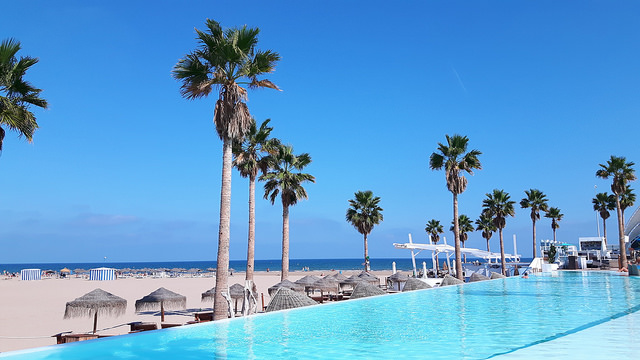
(526, 275)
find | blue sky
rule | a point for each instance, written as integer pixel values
(123, 167)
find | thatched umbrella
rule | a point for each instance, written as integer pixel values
(324, 284)
(450, 280)
(285, 298)
(397, 278)
(307, 280)
(65, 271)
(364, 289)
(285, 284)
(370, 278)
(477, 277)
(338, 276)
(79, 271)
(352, 281)
(497, 276)
(208, 295)
(415, 284)
(93, 303)
(161, 297)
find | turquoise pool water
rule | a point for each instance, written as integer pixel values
(557, 315)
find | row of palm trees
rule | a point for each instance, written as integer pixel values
(496, 208)
(454, 158)
(228, 61)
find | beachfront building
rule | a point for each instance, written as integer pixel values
(632, 229)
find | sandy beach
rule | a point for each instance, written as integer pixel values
(32, 311)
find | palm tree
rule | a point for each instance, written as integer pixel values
(466, 226)
(627, 199)
(225, 60)
(434, 229)
(455, 159)
(248, 158)
(364, 214)
(285, 178)
(537, 201)
(622, 172)
(16, 94)
(602, 203)
(554, 214)
(485, 224)
(498, 206)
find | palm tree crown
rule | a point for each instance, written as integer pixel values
(284, 176)
(602, 203)
(434, 228)
(364, 213)
(537, 201)
(485, 224)
(627, 198)
(466, 226)
(555, 215)
(16, 94)
(226, 59)
(249, 153)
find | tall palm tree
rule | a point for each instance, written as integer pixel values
(621, 173)
(248, 158)
(554, 214)
(434, 229)
(285, 178)
(225, 60)
(627, 199)
(537, 201)
(364, 213)
(485, 224)
(17, 94)
(455, 159)
(602, 203)
(498, 206)
(465, 226)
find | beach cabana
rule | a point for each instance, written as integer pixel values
(307, 280)
(352, 281)
(160, 299)
(30, 274)
(338, 276)
(93, 303)
(365, 289)
(285, 284)
(415, 284)
(284, 298)
(396, 281)
(370, 278)
(102, 274)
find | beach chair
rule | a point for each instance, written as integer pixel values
(138, 326)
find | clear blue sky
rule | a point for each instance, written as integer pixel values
(123, 167)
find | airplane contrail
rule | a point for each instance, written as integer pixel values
(459, 79)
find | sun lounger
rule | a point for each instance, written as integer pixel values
(63, 338)
(168, 325)
(204, 316)
(142, 326)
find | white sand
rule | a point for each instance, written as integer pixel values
(32, 311)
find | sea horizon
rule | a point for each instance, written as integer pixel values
(402, 264)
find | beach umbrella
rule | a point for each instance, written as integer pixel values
(161, 298)
(369, 277)
(285, 284)
(450, 280)
(285, 298)
(415, 284)
(338, 276)
(93, 303)
(477, 277)
(307, 280)
(365, 289)
(65, 271)
(496, 276)
(208, 295)
(325, 284)
(352, 281)
(79, 271)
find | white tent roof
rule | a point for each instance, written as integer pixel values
(441, 248)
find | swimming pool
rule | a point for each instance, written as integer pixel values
(550, 315)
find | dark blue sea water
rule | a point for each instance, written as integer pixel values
(237, 265)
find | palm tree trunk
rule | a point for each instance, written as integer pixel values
(252, 229)
(285, 242)
(534, 239)
(502, 259)
(623, 251)
(220, 305)
(366, 254)
(456, 233)
(604, 229)
(488, 247)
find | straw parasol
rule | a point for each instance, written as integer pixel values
(477, 277)
(450, 280)
(415, 284)
(338, 276)
(307, 280)
(208, 295)
(325, 284)
(65, 271)
(93, 303)
(497, 276)
(285, 298)
(285, 284)
(161, 298)
(399, 277)
(352, 281)
(370, 278)
(364, 289)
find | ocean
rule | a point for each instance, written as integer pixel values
(403, 264)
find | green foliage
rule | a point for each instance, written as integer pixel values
(619, 170)
(434, 228)
(249, 153)
(551, 255)
(498, 206)
(603, 203)
(536, 200)
(465, 226)
(284, 176)
(554, 214)
(455, 159)
(16, 94)
(364, 212)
